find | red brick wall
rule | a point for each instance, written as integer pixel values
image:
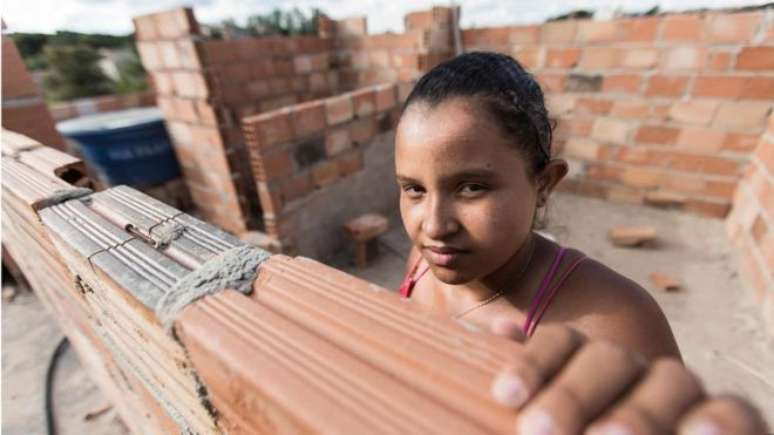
(23, 109)
(390, 57)
(751, 222)
(655, 110)
(300, 151)
(173, 52)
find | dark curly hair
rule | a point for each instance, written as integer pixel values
(506, 90)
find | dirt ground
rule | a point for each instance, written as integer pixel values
(717, 324)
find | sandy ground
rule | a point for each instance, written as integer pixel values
(717, 324)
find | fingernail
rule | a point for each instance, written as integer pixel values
(611, 429)
(536, 422)
(509, 390)
(701, 427)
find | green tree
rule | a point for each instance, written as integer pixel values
(73, 73)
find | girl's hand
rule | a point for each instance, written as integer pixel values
(567, 384)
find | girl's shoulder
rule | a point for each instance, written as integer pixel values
(603, 304)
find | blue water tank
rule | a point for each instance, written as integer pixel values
(125, 147)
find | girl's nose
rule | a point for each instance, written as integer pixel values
(438, 222)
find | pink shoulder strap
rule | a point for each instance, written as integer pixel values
(545, 294)
(409, 281)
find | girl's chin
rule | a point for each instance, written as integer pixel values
(451, 276)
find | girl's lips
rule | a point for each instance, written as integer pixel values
(445, 257)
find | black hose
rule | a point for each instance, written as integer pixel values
(60, 348)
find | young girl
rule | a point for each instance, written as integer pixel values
(474, 164)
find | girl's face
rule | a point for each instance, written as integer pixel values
(467, 200)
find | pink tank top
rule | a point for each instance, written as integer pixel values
(540, 300)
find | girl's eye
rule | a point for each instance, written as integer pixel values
(472, 189)
(413, 191)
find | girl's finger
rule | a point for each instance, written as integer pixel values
(724, 415)
(656, 404)
(544, 354)
(593, 379)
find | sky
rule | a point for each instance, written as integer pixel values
(114, 16)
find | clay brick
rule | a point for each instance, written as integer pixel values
(600, 58)
(756, 88)
(683, 183)
(720, 189)
(529, 57)
(631, 235)
(719, 60)
(489, 37)
(364, 102)
(568, 127)
(718, 86)
(708, 208)
(524, 35)
(604, 172)
(337, 140)
(663, 198)
(266, 130)
(361, 131)
(610, 130)
(704, 164)
(169, 55)
(150, 55)
(145, 28)
(297, 186)
(562, 57)
(593, 106)
(192, 85)
(561, 32)
(684, 58)
(560, 104)
(656, 135)
(693, 111)
(666, 86)
(641, 176)
(590, 31)
(642, 58)
(307, 118)
(338, 109)
(350, 162)
(385, 98)
(701, 139)
(325, 173)
(664, 281)
(552, 82)
(742, 115)
(731, 28)
(755, 58)
(581, 148)
(273, 165)
(682, 28)
(623, 83)
(630, 109)
(740, 142)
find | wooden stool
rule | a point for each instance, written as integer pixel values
(364, 229)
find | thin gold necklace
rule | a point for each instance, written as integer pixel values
(502, 291)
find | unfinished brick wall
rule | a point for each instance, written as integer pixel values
(171, 49)
(396, 57)
(205, 86)
(659, 110)
(23, 108)
(88, 106)
(751, 223)
(320, 163)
